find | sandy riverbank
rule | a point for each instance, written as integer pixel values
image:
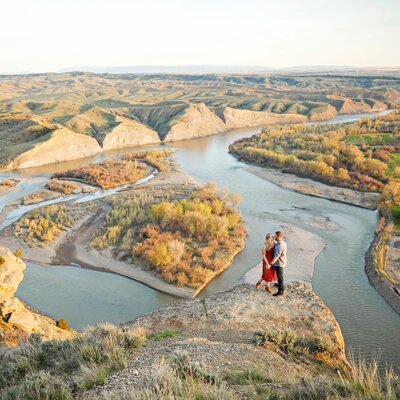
(7, 209)
(317, 189)
(303, 248)
(393, 260)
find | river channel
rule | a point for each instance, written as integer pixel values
(86, 297)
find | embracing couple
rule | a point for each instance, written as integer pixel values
(274, 253)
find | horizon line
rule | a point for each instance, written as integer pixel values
(219, 68)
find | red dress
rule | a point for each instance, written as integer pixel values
(268, 274)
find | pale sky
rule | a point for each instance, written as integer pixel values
(47, 35)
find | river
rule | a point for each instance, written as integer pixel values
(368, 323)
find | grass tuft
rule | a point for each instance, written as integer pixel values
(247, 377)
(165, 334)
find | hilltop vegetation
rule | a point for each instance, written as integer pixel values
(186, 237)
(156, 99)
(93, 121)
(19, 133)
(65, 369)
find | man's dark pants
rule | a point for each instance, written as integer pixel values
(279, 273)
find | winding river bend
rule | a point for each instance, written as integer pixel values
(87, 297)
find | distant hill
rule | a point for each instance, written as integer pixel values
(224, 69)
(169, 69)
(48, 118)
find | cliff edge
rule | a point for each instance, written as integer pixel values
(236, 344)
(198, 120)
(236, 331)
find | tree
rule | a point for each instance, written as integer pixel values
(374, 167)
(343, 174)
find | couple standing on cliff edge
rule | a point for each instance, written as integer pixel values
(274, 253)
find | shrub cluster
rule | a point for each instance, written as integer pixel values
(107, 174)
(184, 240)
(64, 369)
(7, 184)
(63, 187)
(155, 158)
(44, 224)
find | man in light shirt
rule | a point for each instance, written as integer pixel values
(279, 261)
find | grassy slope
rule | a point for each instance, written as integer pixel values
(396, 217)
(393, 163)
(20, 134)
(94, 122)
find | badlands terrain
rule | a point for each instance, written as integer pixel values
(49, 118)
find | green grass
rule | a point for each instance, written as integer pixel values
(396, 216)
(371, 139)
(246, 377)
(165, 334)
(393, 163)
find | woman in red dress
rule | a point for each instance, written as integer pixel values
(268, 273)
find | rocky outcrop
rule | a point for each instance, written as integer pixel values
(219, 333)
(198, 121)
(129, 133)
(237, 118)
(245, 310)
(23, 321)
(112, 131)
(322, 113)
(61, 145)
